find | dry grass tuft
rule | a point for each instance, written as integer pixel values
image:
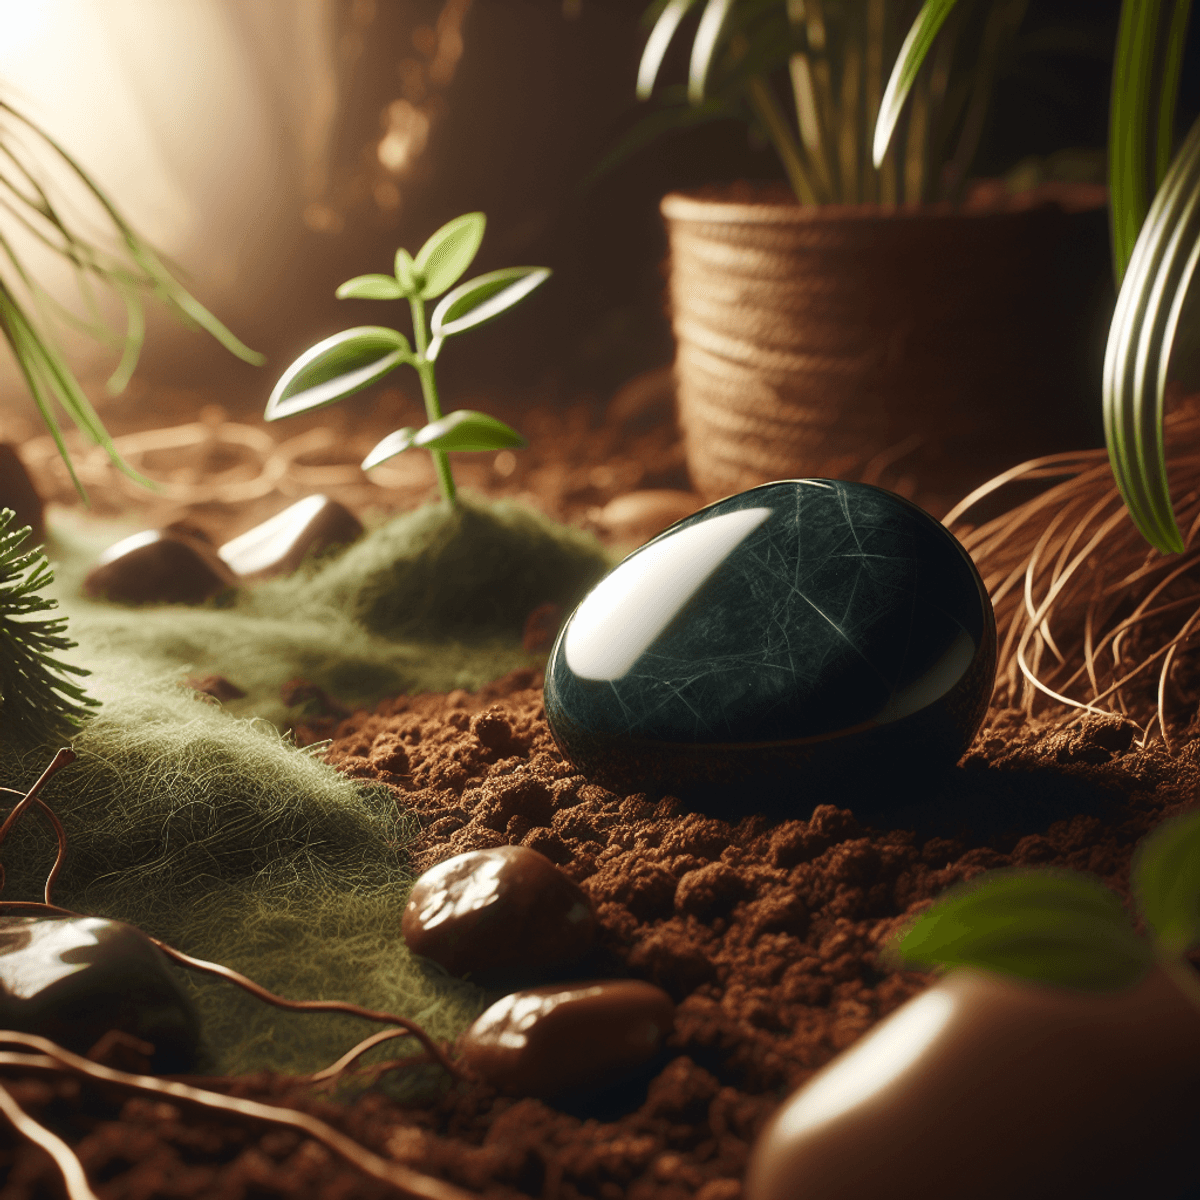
(1088, 615)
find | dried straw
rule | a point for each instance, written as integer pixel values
(1088, 615)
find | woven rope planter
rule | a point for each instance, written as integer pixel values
(809, 341)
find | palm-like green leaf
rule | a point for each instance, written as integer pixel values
(912, 55)
(1149, 305)
(24, 198)
(337, 367)
(448, 253)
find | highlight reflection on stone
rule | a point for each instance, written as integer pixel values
(72, 979)
(279, 545)
(807, 633)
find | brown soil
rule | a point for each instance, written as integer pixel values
(766, 931)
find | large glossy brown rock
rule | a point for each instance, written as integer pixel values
(568, 1038)
(992, 1087)
(158, 567)
(17, 491)
(502, 915)
(73, 979)
(279, 545)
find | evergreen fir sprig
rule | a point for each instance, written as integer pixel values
(37, 700)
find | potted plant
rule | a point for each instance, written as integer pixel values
(869, 312)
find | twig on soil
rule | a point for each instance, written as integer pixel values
(55, 1059)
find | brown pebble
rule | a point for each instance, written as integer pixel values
(279, 545)
(156, 567)
(503, 914)
(216, 686)
(570, 1037)
(1023, 1089)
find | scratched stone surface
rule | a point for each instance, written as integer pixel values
(776, 635)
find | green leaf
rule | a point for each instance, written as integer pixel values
(1165, 875)
(1060, 927)
(904, 74)
(461, 430)
(410, 279)
(337, 367)
(393, 444)
(657, 44)
(705, 47)
(465, 429)
(484, 298)
(449, 252)
(370, 287)
(1146, 70)
(1149, 306)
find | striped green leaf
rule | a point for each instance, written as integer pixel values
(904, 74)
(1149, 305)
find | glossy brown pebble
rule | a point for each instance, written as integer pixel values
(72, 979)
(17, 491)
(279, 545)
(569, 1037)
(501, 915)
(991, 1087)
(158, 567)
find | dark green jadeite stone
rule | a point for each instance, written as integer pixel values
(798, 640)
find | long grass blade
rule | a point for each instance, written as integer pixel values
(705, 47)
(658, 43)
(1135, 132)
(904, 74)
(1161, 266)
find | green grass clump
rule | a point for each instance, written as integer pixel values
(204, 826)
(432, 600)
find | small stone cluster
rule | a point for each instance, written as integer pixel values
(510, 914)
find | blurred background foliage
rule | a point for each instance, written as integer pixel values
(271, 147)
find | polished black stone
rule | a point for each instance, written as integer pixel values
(72, 979)
(807, 636)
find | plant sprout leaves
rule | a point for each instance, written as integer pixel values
(704, 48)
(393, 444)
(410, 279)
(1140, 339)
(461, 430)
(904, 74)
(337, 367)
(448, 253)
(370, 287)
(657, 44)
(1059, 927)
(1166, 882)
(465, 429)
(484, 298)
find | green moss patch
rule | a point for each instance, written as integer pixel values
(205, 826)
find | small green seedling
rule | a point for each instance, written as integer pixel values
(1067, 928)
(356, 358)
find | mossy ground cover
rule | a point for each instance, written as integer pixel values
(205, 826)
